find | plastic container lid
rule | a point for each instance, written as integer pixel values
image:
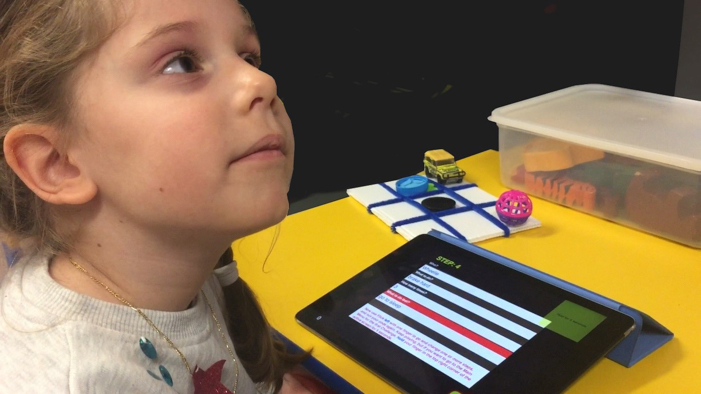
(648, 126)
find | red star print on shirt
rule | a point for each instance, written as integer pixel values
(209, 381)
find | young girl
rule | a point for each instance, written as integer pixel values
(140, 139)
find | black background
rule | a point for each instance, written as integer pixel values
(363, 81)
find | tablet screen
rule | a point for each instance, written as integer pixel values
(436, 318)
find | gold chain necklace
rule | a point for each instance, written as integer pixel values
(163, 336)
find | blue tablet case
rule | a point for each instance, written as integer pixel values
(647, 336)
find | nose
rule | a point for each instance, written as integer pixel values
(255, 90)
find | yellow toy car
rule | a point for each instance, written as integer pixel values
(441, 165)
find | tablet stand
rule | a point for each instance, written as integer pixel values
(647, 336)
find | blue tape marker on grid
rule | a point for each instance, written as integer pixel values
(436, 216)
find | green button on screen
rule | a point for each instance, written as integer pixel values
(573, 321)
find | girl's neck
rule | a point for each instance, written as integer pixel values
(166, 282)
(158, 267)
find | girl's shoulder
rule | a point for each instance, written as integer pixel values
(35, 357)
(35, 348)
(28, 297)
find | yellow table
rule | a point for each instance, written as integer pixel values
(320, 248)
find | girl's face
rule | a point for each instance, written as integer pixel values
(182, 131)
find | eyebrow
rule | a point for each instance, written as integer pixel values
(249, 29)
(164, 29)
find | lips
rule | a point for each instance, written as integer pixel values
(269, 146)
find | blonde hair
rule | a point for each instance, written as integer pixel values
(41, 45)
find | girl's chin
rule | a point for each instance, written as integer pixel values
(272, 218)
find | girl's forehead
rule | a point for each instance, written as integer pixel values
(155, 16)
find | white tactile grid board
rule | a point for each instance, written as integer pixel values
(473, 219)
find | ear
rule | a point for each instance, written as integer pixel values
(32, 152)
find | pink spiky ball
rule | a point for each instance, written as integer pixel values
(514, 207)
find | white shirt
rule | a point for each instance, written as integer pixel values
(54, 340)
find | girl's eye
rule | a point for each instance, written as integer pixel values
(253, 59)
(185, 61)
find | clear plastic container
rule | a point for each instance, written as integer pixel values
(628, 156)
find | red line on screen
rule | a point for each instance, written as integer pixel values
(450, 324)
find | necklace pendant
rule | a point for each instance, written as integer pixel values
(209, 381)
(166, 375)
(148, 348)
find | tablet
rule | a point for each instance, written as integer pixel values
(432, 317)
